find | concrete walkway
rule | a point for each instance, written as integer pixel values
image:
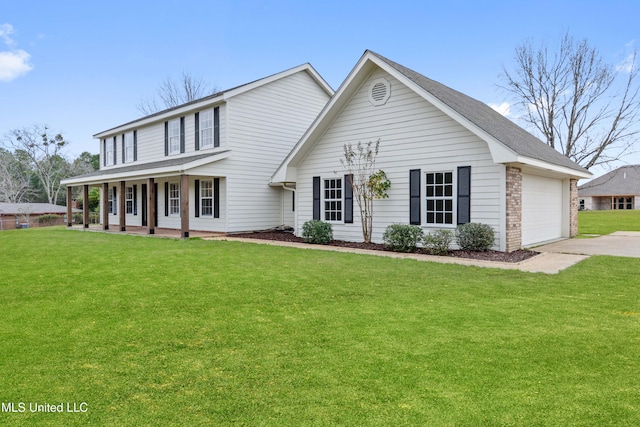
(620, 243)
(549, 263)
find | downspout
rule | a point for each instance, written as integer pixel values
(284, 185)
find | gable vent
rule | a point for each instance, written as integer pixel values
(379, 92)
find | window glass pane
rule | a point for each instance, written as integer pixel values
(439, 197)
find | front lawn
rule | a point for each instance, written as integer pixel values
(606, 222)
(150, 331)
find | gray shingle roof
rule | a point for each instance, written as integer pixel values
(33, 208)
(151, 165)
(486, 118)
(622, 181)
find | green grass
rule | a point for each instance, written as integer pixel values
(153, 331)
(606, 222)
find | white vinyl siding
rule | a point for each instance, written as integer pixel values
(413, 134)
(263, 126)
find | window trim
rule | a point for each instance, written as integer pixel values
(108, 153)
(201, 198)
(128, 200)
(452, 198)
(173, 198)
(128, 147)
(173, 139)
(337, 199)
(202, 128)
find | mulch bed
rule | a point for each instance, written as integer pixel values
(286, 236)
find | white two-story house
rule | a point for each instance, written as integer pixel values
(206, 165)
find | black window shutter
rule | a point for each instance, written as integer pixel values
(197, 124)
(135, 145)
(123, 153)
(293, 201)
(216, 127)
(348, 199)
(135, 199)
(216, 197)
(182, 134)
(104, 152)
(115, 151)
(166, 138)
(464, 194)
(166, 199)
(316, 198)
(414, 197)
(197, 196)
(115, 201)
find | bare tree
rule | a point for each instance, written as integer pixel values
(583, 107)
(43, 153)
(15, 177)
(367, 183)
(171, 93)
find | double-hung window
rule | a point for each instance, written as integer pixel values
(174, 136)
(206, 128)
(128, 199)
(206, 198)
(128, 147)
(174, 199)
(108, 146)
(439, 197)
(111, 200)
(333, 199)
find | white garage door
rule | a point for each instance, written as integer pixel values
(541, 209)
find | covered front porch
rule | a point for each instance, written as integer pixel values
(171, 195)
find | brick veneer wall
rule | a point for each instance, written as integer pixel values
(514, 209)
(573, 208)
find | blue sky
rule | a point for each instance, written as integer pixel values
(83, 67)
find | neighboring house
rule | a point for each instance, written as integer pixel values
(618, 189)
(23, 215)
(450, 159)
(205, 165)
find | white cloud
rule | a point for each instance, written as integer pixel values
(629, 62)
(504, 108)
(13, 62)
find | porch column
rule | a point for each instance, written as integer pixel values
(123, 214)
(85, 206)
(105, 206)
(69, 207)
(184, 206)
(151, 205)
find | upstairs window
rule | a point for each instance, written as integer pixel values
(333, 199)
(174, 136)
(439, 200)
(206, 128)
(108, 153)
(128, 147)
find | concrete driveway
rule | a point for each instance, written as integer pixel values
(620, 243)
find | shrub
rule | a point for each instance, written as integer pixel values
(438, 242)
(402, 237)
(474, 236)
(48, 219)
(317, 232)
